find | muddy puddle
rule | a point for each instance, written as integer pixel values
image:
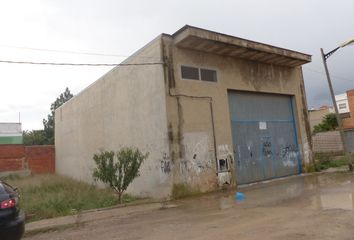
(318, 192)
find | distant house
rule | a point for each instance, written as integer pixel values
(210, 108)
(316, 115)
(345, 104)
(331, 141)
(10, 133)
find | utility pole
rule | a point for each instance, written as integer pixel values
(339, 120)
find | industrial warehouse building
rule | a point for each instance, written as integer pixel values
(211, 109)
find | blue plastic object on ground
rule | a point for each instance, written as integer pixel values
(240, 196)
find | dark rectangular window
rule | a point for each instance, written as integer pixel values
(342, 106)
(190, 73)
(208, 75)
(223, 165)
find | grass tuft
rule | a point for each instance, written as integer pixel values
(329, 160)
(48, 196)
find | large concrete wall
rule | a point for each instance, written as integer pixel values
(126, 107)
(192, 127)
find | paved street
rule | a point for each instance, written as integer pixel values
(311, 207)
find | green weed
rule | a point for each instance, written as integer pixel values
(48, 196)
(330, 160)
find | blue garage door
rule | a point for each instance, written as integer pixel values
(264, 136)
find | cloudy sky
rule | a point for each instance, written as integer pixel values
(121, 27)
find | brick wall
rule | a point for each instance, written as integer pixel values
(41, 159)
(12, 157)
(348, 123)
(38, 159)
(327, 142)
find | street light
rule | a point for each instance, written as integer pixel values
(339, 120)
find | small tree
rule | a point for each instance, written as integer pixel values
(118, 170)
(329, 123)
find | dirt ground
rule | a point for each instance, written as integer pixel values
(302, 207)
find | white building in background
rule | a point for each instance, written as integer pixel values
(342, 103)
(10, 133)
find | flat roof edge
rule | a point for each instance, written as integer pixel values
(192, 31)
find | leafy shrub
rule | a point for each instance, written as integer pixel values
(118, 170)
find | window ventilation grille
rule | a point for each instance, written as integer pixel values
(202, 74)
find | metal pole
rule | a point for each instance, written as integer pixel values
(339, 120)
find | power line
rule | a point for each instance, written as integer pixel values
(81, 64)
(72, 52)
(127, 64)
(322, 73)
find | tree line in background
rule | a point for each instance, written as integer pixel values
(46, 136)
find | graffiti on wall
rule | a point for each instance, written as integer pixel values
(224, 151)
(267, 148)
(197, 167)
(288, 154)
(287, 150)
(165, 164)
(225, 157)
(165, 167)
(197, 152)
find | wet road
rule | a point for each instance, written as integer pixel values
(311, 207)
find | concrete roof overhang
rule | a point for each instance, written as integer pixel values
(198, 39)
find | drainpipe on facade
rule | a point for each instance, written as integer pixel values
(167, 64)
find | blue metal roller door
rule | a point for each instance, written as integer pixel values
(264, 136)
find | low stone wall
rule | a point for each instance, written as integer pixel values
(37, 159)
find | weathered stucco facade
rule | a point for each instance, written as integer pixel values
(126, 107)
(184, 124)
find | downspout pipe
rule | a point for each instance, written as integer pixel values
(167, 65)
